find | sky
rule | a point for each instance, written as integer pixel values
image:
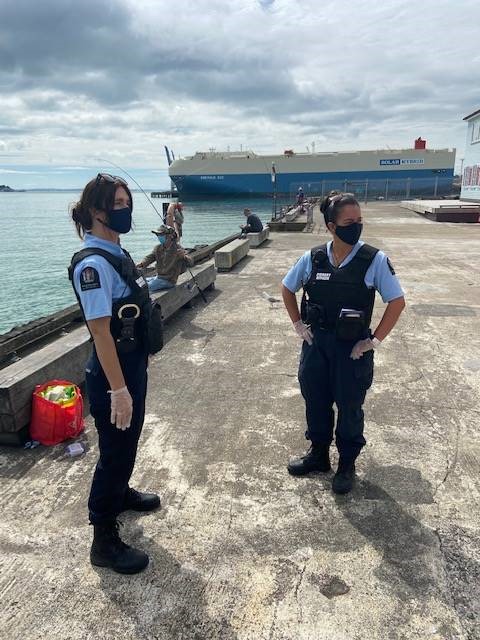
(89, 81)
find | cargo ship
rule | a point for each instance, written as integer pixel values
(239, 173)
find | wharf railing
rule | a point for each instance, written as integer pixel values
(369, 190)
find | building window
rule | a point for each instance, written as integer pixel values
(475, 132)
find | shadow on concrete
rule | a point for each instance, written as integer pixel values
(240, 266)
(463, 574)
(407, 547)
(194, 332)
(167, 600)
(16, 462)
(183, 319)
(266, 243)
(406, 483)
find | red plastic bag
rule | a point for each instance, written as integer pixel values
(52, 423)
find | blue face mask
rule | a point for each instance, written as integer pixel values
(162, 239)
(119, 220)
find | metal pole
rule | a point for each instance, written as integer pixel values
(386, 189)
(323, 189)
(407, 195)
(274, 191)
(345, 186)
(366, 191)
(436, 187)
(275, 197)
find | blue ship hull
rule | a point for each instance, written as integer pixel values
(413, 182)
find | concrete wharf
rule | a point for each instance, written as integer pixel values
(241, 550)
(445, 210)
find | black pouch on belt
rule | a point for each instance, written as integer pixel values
(350, 324)
(155, 329)
(314, 314)
(127, 340)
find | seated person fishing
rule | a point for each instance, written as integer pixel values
(254, 224)
(171, 259)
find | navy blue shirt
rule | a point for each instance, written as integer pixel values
(254, 223)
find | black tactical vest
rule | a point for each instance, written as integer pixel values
(335, 289)
(131, 315)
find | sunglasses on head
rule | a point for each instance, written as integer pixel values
(106, 177)
(341, 196)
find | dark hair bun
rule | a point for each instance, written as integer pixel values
(333, 203)
(325, 204)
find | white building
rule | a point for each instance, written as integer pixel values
(471, 163)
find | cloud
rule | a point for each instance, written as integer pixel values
(121, 78)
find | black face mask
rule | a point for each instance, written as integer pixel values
(119, 220)
(349, 234)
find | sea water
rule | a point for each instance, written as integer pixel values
(37, 240)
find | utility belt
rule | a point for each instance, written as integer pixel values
(127, 338)
(136, 322)
(137, 327)
(350, 324)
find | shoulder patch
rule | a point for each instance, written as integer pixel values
(89, 279)
(390, 266)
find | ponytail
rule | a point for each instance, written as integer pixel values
(82, 218)
(333, 204)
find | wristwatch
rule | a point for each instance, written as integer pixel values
(376, 342)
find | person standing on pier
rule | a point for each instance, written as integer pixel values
(300, 197)
(339, 282)
(114, 299)
(175, 217)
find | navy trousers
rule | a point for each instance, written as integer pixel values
(118, 449)
(328, 376)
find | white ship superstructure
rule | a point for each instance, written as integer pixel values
(245, 172)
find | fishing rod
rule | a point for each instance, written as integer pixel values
(187, 266)
(132, 178)
(200, 291)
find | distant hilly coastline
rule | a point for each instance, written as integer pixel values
(6, 189)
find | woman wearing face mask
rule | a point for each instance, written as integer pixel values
(339, 279)
(114, 300)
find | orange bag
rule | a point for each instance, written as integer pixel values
(51, 422)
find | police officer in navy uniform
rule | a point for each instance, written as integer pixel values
(339, 280)
(114, 300)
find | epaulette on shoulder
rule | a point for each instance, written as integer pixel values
(116, 262)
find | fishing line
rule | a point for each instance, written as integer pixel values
(201, 291)
(132, 178)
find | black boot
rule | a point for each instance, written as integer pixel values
(316, 459)
(108, 550)
(137, 501)
(344, 478)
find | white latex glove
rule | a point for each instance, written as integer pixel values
(303, 332)
(121, 408)
(361, 347)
